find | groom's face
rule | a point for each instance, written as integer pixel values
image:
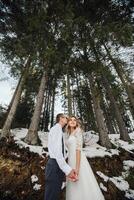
(64, 120)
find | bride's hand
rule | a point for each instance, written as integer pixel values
(77, 172)
(72, 176)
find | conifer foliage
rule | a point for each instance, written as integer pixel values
(69, 48)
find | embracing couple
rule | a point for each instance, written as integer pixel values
(81, 182)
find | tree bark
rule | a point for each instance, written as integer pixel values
(108, 118)
(69, 96)
(14, 102)
(53, 106)
(123, 131)
(32, 135)
(120, 71)
(46, 96)
(90, 115)
(79, 93)
(103, 132)
(47, 113)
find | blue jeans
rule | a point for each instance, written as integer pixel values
(53, 180)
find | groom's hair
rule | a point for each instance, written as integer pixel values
(58, 117)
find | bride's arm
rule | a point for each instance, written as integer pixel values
(78, 149)
(78, 159)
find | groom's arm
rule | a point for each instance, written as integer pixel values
(56, 150)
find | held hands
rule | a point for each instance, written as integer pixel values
(73, 175)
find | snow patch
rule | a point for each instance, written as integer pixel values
(115, 139)
(96, 150)
(34, 178)
(130, 194)
(120, 183)
(103, 176)
(21, 133)
(128, 164)
(37, 187)
(15, 154)
(90, 138)
(103, 187)
(92, 149)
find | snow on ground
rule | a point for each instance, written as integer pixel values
(119, 182)
(91, 149)
(90, 138)
(120, 143)
(34, 180)
(128, 164)
(37, 187)
(96, 150)
(19, 135)
(15, 154)
(43, 137)
(103, 187)
(130, 194)
(103, 176)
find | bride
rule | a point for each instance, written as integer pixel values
(86, 187)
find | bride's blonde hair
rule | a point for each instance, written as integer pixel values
(68, 128)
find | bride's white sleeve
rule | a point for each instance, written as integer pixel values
(79, 140)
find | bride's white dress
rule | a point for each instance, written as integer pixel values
(86, 188)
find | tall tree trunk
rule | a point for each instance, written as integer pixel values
(108, 118)
(73, 104)
(53, 106)
(79, 93)
(53, 100)
(15, 101)
(69, 96)
(106, 111)
(43, 115)
(47, 114)
(90, 115)
(123, 131)
(45, 106)
(121, 73)
(32, 135)
(103, 132)
(12, 100)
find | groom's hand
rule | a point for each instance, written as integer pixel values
(72, 175)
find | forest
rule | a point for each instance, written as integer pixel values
(79, 54)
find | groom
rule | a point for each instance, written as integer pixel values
(56, 166)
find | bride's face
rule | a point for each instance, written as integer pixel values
(72, 122)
